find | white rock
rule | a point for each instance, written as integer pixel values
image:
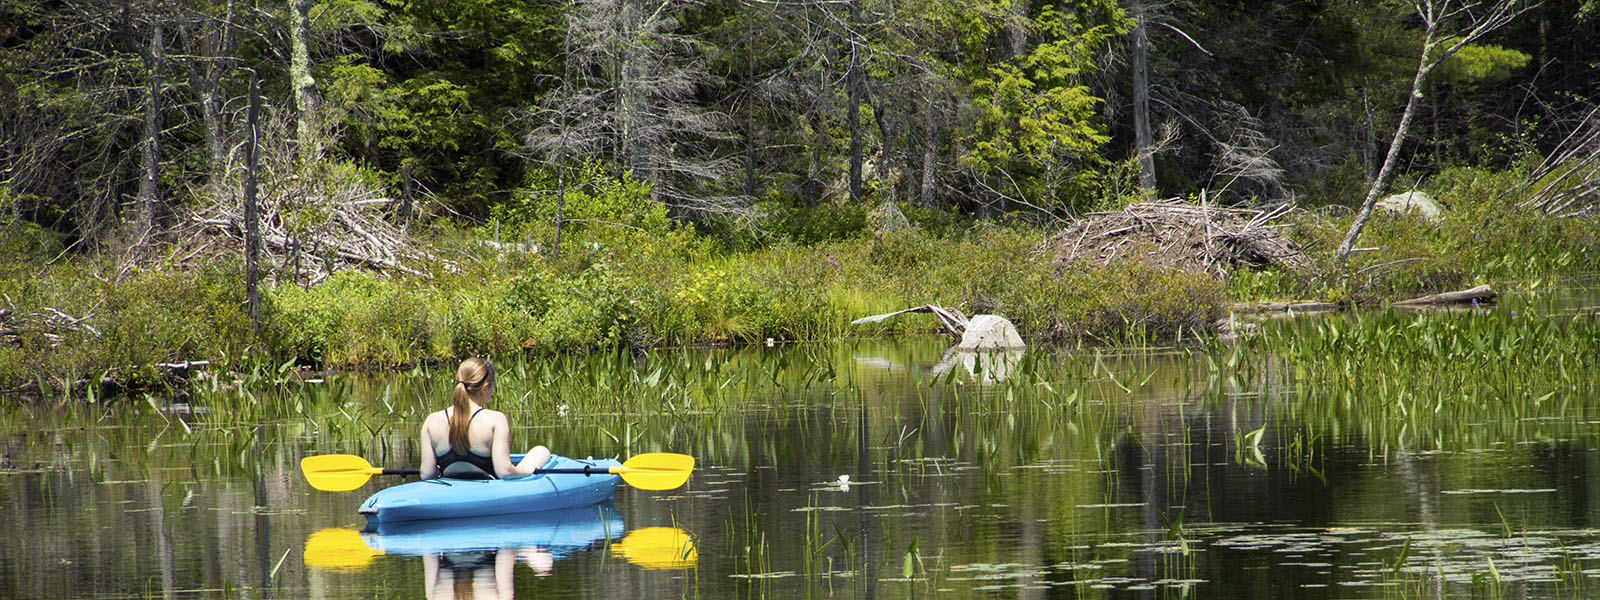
(1412, 202)
(990, 332)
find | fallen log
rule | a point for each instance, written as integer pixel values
(954, 323)
(1283, 307)
(1482, 293)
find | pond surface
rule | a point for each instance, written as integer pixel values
(870, 469)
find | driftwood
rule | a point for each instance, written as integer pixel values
(981, 332)
(954, 323)
(1286, 307)
(1196, 238)
(1480, 294)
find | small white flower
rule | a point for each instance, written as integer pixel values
(561, 410)
(844, 483)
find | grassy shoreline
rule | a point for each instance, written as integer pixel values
(661, 285)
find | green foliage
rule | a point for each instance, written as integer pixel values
(1034, 114)
(314, 317)
(121, 328)
(595, 308)
(1481, 63)
(591, 199)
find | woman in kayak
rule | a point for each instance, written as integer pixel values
(468, 440)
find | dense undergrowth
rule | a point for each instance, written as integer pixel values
(628, 276)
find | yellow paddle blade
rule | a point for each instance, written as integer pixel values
(657, 548)
(337, 472)
(656, 470)
(339, 549)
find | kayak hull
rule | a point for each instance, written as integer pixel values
(448, 498)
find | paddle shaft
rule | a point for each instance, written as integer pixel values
(589, 470)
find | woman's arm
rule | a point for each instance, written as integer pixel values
(501, 452)
(430, 464)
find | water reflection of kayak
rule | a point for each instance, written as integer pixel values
(554, 534)
(558, 532)
(453, 498)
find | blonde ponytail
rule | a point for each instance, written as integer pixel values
(472, 377)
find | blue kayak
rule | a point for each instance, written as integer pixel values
(447, 498)
(558, 532)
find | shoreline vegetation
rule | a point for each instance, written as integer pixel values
(645, 281)
(420, 182)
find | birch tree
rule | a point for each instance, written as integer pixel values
(1447, 27)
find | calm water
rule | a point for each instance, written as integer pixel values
(1150, 477)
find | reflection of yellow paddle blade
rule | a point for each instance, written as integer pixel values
(656, 470)
(338, 549)
(657, 548)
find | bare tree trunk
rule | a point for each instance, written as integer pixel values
(1016, 35)
(406, 197)
(150, 208)
(305, 87)
(814, 187)
(1141, 101)
(635, 111)
(561, 200)
(1389, 160)
(749, 111)
(1369, 147)
(853, 80)
(252, 235)
(930, 156)
(213, 46)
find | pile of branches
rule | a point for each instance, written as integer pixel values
(1195, 238)
(312, 221)
(51, 324)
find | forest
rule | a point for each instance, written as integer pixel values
(354, 183)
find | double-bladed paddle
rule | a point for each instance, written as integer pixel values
(651, 471)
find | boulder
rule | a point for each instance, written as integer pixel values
(1419, 203)
(990, 332)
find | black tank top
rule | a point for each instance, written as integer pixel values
(473, 465)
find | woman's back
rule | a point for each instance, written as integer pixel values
(480, 431)
(469, 438)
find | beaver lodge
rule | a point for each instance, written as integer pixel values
(1195, 238)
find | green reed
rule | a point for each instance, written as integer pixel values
(1433, 381)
